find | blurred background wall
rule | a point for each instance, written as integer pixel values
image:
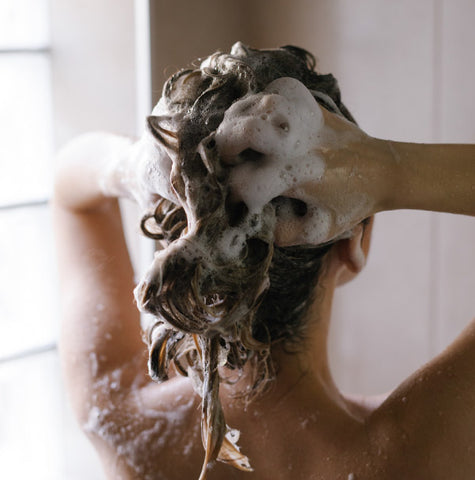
(406, 72)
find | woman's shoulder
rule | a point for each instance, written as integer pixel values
(148, 430)
(432, 412)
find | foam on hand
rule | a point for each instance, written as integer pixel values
(276, 142)
(141, 170)
(154, 169)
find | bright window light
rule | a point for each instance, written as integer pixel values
(26, 149)
(28, 298)
(24, 24)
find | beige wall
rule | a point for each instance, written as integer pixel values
(406, 70)
(183, 30)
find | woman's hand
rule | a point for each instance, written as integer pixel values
(96, 166)
(282, 145)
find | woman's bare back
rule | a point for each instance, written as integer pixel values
(420, 431)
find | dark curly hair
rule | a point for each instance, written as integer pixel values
(212, 308)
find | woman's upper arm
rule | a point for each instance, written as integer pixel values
(100, 330)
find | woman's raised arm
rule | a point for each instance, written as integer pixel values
(100, 330)
(436, 177)
(103, 356)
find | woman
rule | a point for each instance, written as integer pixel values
(263, 201)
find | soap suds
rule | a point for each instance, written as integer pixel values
(139, 170)
(134, 434)
(279, 123)
(283, 128)
(94, 364)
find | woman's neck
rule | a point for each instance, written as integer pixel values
(302, 372)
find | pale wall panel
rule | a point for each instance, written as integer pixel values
(454, 297)
(385, 66)
(380, 51)
(458, 71)
(380, 323)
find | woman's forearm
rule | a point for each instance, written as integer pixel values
(438, 177)
(88, 168)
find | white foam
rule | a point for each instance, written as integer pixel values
(94, 364)
(154, 166)
(318, 222)
(139, 170)
(134, 434)
(161, 109)
(281, 123)
(230, 243)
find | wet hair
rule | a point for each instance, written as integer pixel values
(213, 308)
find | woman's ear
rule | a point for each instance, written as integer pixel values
(352, 252)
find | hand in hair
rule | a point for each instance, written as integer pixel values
(288, 150)
(324, 174)
(98, 165)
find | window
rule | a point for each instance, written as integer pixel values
(60, 75)
(29, 444)
(28, 307)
